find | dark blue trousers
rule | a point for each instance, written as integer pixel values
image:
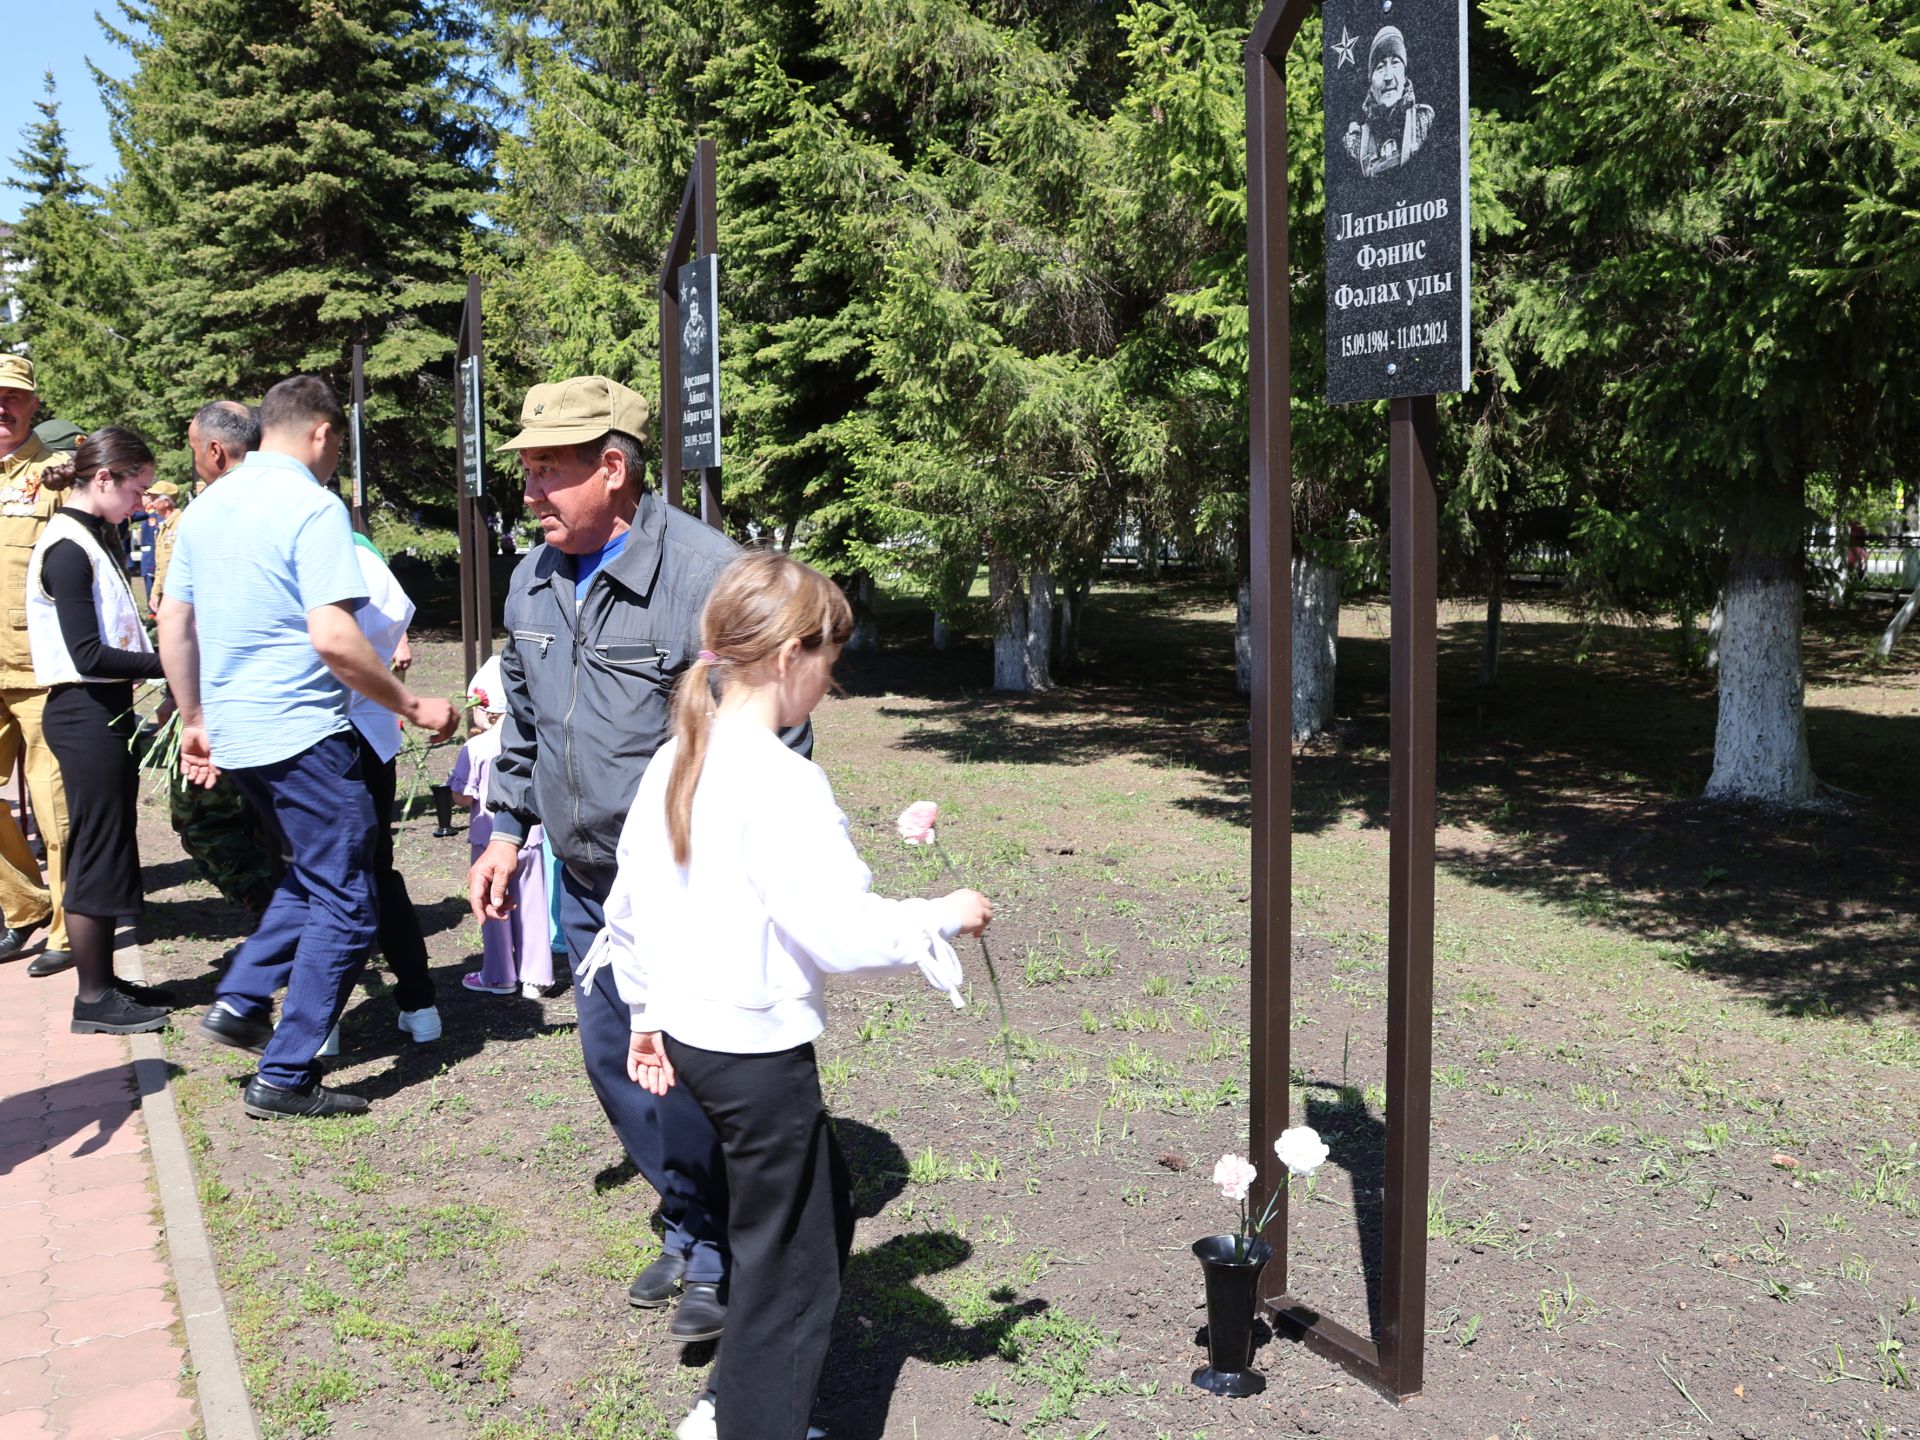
(314, 937)
(669, 1138)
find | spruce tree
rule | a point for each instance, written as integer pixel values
(73, 289)
(303, 175)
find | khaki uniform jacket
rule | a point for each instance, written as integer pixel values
(163, 538)
(24, 511)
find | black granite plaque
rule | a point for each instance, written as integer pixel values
(1398, 256)
(700, 363)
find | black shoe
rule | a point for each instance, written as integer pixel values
(146, 994)
(223, 1027)
(116, 1014)
(312, 1101)
(50, 962)
(659, 1282)
(13, 938)
(699, 1315)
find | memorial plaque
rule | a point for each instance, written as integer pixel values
(356, 434)
(699, 282)
(1398, 245)
(473, 471)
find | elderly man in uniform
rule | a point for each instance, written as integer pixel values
(163, 503)
(601, 619)
(24, 508)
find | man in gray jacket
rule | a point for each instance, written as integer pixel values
(601, 619)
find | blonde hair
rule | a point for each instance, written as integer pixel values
(760, 602)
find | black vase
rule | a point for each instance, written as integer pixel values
(443, 809)
(1232, 1285)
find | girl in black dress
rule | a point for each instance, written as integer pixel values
(89, 647)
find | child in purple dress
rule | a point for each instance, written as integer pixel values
(516, 953)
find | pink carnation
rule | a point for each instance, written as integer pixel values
(916, 822)
(477, 699)
(1234, 1175)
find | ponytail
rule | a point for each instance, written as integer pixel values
(760, 602)
(692, 726)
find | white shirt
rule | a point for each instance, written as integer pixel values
(384, 618)
(731, 953)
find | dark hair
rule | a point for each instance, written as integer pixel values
(299, 403)
(234, 425)
(590, 452)
(113, 448)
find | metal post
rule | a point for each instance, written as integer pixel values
(1270, 527)
(1414, 531)
(1393, 1360)
(476, 541)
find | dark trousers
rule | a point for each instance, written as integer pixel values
(667, 1137)
(320, 923)
(401, 942)
(790, 1228)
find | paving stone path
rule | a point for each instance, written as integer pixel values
(90, 1332)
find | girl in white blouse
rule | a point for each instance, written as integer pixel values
(738, 892)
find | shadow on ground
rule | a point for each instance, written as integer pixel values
(1577, 780)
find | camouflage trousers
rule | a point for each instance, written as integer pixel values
(229, 845)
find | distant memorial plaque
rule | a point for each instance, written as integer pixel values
(1398, 254)
(473, 470)
(700, 363)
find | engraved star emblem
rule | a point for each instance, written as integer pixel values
(1343, 47)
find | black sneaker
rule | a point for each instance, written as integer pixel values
(225, 1027)
(700, 1315)
(659, 1282)
(312, 1101)
(146, 994)
(116, 1014)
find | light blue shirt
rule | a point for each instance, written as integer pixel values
(256, 552)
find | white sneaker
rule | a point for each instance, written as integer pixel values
(531, 991)
(422, 1025)
(329, 1047)
(699, 1423)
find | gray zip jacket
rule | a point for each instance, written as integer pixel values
(590, 687)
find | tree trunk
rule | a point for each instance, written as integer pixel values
(1243, 639)
(1901, 617)
(1021, 644)
(1490, 640)
(1716, 627)
(1070, 614)
(942, 633)
(1040, 628)
(866, 630)
(1760, 742)
(1316, 634)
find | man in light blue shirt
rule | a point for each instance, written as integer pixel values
(260, 644)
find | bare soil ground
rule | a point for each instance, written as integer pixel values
(1676, 1152)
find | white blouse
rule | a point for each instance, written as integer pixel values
(731, 952)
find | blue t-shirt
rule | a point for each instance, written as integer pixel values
(255, 553)
(586, 566)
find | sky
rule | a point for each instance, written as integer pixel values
(60, 35)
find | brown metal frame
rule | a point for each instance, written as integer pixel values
(476, 541)
(695, 233)
(1393, 1359)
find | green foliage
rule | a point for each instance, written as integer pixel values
(300, 176)
(73, 284)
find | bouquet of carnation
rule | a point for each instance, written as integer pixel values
(1299, 1149)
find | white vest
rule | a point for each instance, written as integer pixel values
(120, 627)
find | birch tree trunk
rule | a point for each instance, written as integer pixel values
(1490, 640)
(866, 630)
(1760, 740)
(1024, 639)
(942, 633)
(1316, 636)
